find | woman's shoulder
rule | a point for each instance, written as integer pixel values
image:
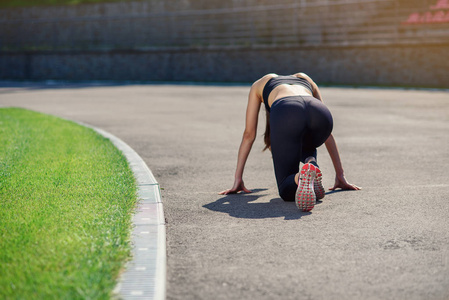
(270, 75)
(258, 85)
(263, 80)
(302, 75)
(306, 77)
(267, 77)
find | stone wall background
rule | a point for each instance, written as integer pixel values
(381, 42)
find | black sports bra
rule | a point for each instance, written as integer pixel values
(276, 81)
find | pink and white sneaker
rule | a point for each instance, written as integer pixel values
(318, 185)
(305, 195)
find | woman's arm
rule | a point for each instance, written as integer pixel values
(331, 146)
(249, 135)
(340, 180)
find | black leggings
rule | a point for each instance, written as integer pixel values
(299, 125)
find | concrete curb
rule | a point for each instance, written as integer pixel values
(145, 275)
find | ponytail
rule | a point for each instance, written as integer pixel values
(267, 132)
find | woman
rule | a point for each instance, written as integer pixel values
(298, 123)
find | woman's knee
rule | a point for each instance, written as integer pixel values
(287, 190)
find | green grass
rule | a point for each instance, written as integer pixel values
(66, 200)
(24, 3)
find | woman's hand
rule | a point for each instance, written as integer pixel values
(341, 182)
(238, 186)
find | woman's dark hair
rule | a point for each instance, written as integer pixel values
(266, 137)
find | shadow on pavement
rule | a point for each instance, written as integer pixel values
(241, 206)
(335, 191)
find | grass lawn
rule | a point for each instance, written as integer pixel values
(66, 200)
(21, 3)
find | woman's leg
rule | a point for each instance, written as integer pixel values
(288, 122)
(298, 126)
(319, 127)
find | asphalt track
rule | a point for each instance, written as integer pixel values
(387, 241)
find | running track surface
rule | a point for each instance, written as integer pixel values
(388, 241)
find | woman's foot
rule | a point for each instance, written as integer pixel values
(318, 185)
(305, 195)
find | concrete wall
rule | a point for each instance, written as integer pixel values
(342, 42)
(381, 65)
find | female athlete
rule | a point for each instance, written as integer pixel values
(298, 122)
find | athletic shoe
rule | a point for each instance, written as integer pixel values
(305, 195)
(318, 185)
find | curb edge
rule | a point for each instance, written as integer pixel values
(144, 277)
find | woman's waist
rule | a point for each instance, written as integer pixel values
(296, 98)
(287, 93)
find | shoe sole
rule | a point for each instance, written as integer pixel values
(305, 195)
(318, 185)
